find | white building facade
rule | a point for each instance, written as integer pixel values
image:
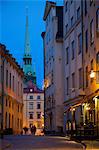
(73, 65)
(53, 70)
(81, 49)
(33, 110)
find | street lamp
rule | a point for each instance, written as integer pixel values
(92, 74)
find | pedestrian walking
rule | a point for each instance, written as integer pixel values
(34, 129)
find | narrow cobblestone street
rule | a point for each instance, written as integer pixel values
(28, 142)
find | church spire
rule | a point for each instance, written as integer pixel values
(27, 41)
(27, 59)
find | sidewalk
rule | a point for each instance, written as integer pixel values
(4, 144)
(88, 144)
(91, 144)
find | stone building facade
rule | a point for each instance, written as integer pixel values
(81, 49)
(33, 106)
(53, 70)
(11, 92)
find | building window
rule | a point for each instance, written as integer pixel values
(97, 20)
(18, 123)
(18, 88)
(38, 105)
(78, 12)
(73, 80)
(31, 96)
(91, 1)
(92, 64)
(7, 78)
(21, 90)
(86, 40)
(87, 76)
(80, 78)
(92, 67)
(38, 124)
(9, 120)
(79, 43)
(72, 46)
(6, 120)
(10, 81)
(30, 105)
(67, 85)
(13, 83)
(67, 55)
(30, 115)
(72, 21)
(85, 7)
(38, 97)
(66, 28)
(91, 32)
(38, 115)
(66, 6)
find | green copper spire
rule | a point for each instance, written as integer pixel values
(27, 59)
(27, 41)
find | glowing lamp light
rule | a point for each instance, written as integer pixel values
(83, 104)
(92, 74)
(87, 108)
(73, 109)
(42, 125)
(31, 90)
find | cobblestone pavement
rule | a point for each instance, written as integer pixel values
(4, 144)
(29, 142)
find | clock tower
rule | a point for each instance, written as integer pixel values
(27, 58)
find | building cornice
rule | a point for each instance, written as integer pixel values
(48, 6)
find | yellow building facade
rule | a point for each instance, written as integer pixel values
(11, 93)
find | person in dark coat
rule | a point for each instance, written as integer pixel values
(34, 129)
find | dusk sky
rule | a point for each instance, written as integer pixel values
(12, 30)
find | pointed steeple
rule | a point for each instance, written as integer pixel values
(27, 41)
(27, 59)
